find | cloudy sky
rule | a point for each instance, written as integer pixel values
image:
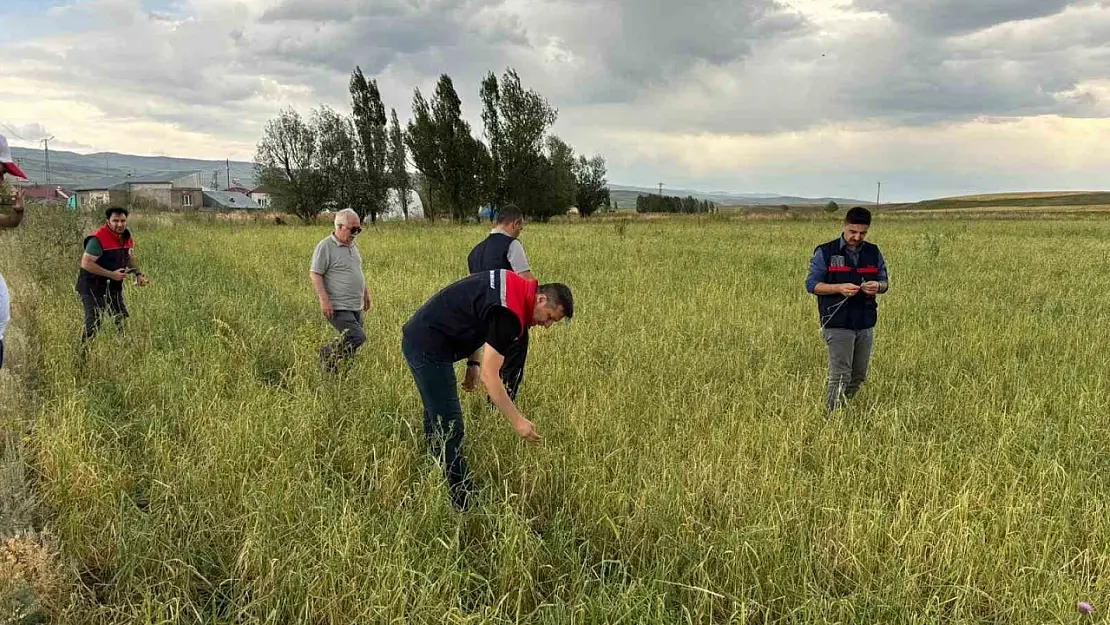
(807, 97)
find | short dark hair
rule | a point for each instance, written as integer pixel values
(858, 216)
(115, 210)
(558, 295)
(508, 214)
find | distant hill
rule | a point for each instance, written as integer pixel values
(69, 168)
(1038, 199)
(625, 197)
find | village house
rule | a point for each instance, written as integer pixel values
(263, 195)
(227, 200)
(51, 193)
(173, 190)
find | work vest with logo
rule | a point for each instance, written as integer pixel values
(117, 253)
(860, 312)
(455, 322)
(490, 254)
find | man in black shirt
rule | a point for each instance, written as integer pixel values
(502, 250)
(491, 310)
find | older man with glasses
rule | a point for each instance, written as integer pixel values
(340, 285)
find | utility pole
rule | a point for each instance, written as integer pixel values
(229, 173)
(878, 193)
(46, 155)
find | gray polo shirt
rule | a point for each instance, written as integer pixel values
(517, 258)
(341, 267)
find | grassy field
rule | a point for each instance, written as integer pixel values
(201, 470)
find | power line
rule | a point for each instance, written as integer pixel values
(12, 132)
(46, 158)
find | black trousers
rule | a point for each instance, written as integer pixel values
(512, 370)
(97, 304)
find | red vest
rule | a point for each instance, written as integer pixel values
(454, 322)
(116, 254)
(519, 297)
(111, 241)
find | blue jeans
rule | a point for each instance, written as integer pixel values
(443, 418)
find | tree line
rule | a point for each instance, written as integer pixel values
(357, 160)
(673, 204)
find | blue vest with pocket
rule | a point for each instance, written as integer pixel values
(861, 311)
(491, 254)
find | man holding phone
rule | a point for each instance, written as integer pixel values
(108, 258)
(846, 274)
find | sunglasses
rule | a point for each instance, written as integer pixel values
(355, 230)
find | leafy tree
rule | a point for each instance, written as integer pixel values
(370, 121)
(517, 121)
(286, 161)
(398, 164)
(490, 94)
(338, 156)
(592, 192)
(669, 204)
(421, 141)
(560, 157)
(454, 163)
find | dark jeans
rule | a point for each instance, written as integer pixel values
(96, 304)
(351, 337)
(443, 417)
(512, 370)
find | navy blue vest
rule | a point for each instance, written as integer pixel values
(490, 254)
(113, 258)
(454, 322)
(860, 312)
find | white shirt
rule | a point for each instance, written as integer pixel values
(5, 307)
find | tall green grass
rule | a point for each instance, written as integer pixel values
(200, 469)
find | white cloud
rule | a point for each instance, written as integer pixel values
(653, 84)
(1046, 152)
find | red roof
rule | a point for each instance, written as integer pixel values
(44, 192)
(262, 190)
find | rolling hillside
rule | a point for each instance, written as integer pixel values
(1029, 200)
(70, 168)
